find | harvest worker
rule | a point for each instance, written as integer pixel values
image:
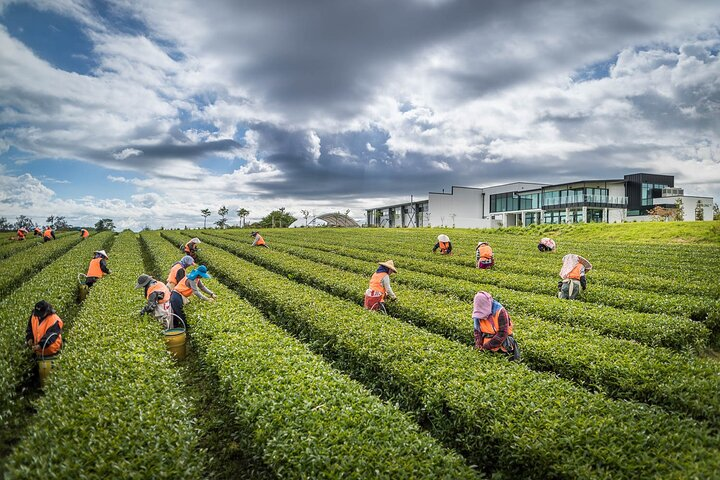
(98, 267)
(188, 286)
(547, 245)
(21, 233)
(444, 245)
(259, 240)
(380, 287)
(84, 233)
(177, 271)
(484, 257)
(191, 249)
(37, 232)
(44, 330)
(493, 327)
(48, 234)
(573, 276)
(158, 299)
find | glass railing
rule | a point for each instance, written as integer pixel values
(584, 199)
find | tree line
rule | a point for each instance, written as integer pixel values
(277, 218)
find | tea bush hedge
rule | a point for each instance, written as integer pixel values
(500, 415)
(301, 417)
(115, 405)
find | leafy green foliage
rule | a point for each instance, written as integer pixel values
(300, 416)
(500, 415)
(9, 248)
(114, 407)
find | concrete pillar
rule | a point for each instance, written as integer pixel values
(567, 215)
(606, 219)
(585, 215)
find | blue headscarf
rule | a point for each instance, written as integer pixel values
(383, 269)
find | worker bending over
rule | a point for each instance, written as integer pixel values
(547, 245)
(44, 330)
(21, 233)
(190, 248)
(84, 233)
(190, 285)
(572, 274)
(158, 299)
(444, 245)
(484, 257)
(493, 327)
(98, 267)
(177, 271)
(379, 287)
(48, 234)
(259, 240)
(37, 231)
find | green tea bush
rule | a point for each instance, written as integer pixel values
(301, 417)
(10, 248)
(115, 406)
(500, 415)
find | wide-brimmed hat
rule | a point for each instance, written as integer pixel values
(252, 234)
(195, 240)
(443, 238)
(389, 264)
(482, 243)
(200, 271)
(102, 252)
(143, 280)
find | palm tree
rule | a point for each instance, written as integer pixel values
(305, 213)
(205, 212)
(242, 213)
(222, 211)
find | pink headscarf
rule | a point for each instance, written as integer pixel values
(570, 261)
(548, 242)
(482, 305)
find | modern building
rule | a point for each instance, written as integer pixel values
(523, 203)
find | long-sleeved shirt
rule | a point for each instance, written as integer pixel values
(103, 266)
(500, 336)
(54, 331)
(196, 286)
(386, 284)
(449, 248)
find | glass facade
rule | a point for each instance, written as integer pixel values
(647, 193)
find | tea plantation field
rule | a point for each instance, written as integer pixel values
(287, 376)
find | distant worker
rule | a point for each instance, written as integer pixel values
(190, 248)
(188, 286)
(259, 240)
(547, 245)
(177, 271)
(48, 234)
(158, 299)
(84, 233)
(379, 288)
(444, 245)
(98, 267)
(493, 328)
(21, 233)
(44, 330)
(572, 273)
(484, 257)
(37, 232)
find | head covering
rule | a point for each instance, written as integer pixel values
(252, 234)
(143, 280)
(101, 252)
(443, 238)
(195, 240)
(389, 264)
(200, 271)
(548, 242)
(186, 261)
(42, 309)
(570, 261)
(482, 305)
(482, 243)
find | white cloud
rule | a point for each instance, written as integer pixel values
(127, 152)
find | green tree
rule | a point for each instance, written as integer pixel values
(205, 212)
(105, 224)
(679, 211)
(23, 221)
(305, 214)
(699, 211)
(242, 213)
(276, 218)
(222, 211)
(716, 212)
(5, 225)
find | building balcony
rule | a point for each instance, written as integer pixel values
(575, 201)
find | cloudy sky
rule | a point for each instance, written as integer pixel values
(148, 111)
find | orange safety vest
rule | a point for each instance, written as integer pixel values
(444, 246)
(21, 234)
(485, 252)
(173, 272)
(39, 329)
(183, 288)
(159, 287)
(575, 273)
(260, 240)
(84, 233)
(489, 326)
(376, 282)
(94, 269)
(189, 250)
(37, 230)
(48, 233)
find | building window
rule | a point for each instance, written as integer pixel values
(504, 202)
(647, 193)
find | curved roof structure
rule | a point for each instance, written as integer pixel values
(338, 220)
